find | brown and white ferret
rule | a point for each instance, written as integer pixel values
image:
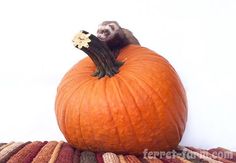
(115, 37)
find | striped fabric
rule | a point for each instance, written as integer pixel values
(27, 153)
(11, 150)
(87, 157)
(99, 158)
(122, 159)
(66, 154)
(62, 152)
(5, 145)
(110, 158)
(45, 153)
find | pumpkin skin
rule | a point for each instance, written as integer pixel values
(144, 106)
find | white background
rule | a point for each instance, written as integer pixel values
(197, 37)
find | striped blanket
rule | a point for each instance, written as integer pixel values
(62, 152)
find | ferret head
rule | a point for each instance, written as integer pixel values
(107, 30)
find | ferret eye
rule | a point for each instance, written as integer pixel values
(107, 31)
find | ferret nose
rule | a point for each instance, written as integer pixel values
(101, 36)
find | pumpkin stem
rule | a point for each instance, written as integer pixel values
(104, 60)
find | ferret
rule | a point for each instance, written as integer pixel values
(115, 37)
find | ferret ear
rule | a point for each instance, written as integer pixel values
(115, 23)
(112, 27)
(109, 22)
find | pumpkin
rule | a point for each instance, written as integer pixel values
(130, 103)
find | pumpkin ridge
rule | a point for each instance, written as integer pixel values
(140, 85)
(65, 84)
(112, 117)
(155, 105)
(110, 112)
(89, 91)
(62, 111)
(66, 107)
(128, 89)
(163, 136)
(125, 108)
(182, 103)
(174, 87)
(170, 112)
(177, 79)
(178, 94)
(181, 95)
(181, 118)
(133, 97)
(83, 97)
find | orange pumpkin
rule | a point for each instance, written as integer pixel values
(141, 106)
